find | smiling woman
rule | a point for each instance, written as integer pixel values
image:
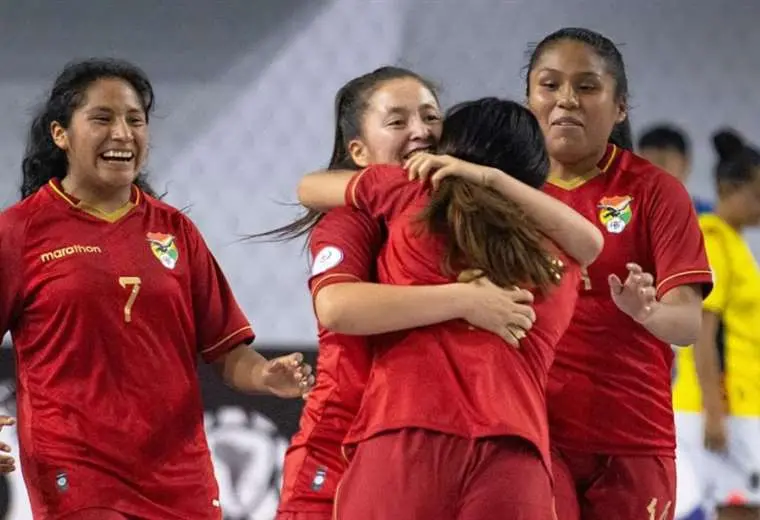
(105, 144)
(73, 130)
(610, 408)
(111, 296)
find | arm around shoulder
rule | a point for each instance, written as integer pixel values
(325, 189)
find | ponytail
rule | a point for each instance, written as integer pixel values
(622, 136)
(350, 105)
(340, 159)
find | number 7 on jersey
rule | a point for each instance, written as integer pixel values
(135, 282)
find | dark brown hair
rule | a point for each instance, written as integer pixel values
(351, 103)
(481, 228)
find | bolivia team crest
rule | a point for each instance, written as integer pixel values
(615, 213)
(164, 248)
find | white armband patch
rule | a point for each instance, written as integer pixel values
(327, 258)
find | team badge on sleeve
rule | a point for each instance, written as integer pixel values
(164, 248)
(327, 258)
(615, 213)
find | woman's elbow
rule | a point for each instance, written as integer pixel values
(690, 334)
(592, 246)
(313, 194)
(304, 191)
(685, 338)
(690, 331)
(330, 312)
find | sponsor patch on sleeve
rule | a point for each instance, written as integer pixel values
(327, 258)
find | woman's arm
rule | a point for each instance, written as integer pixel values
(325, 189)
(707, 363)
(365, 308)
(344, 246)
(681, 273)
(573, 232)
(674, 319)
(245, 370)
(678, 316)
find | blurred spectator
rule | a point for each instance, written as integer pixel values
(668, 147)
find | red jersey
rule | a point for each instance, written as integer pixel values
(108, 313)
(450, 377)
(344, 246)
(610, 387)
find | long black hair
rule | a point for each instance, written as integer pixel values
(351, 103)
(43, 160)
(621, 135)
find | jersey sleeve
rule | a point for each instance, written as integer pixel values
(344, 247)
(12, 231)
(382, 191)
(675, 237)
(718, 255)
(219, 321)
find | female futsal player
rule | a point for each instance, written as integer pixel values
(452, 422)
(727, 351)
(389, 113)
(609, 396)
(110, 297)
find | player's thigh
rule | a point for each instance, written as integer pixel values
(632, 488)
(407, 474)
(509, 481)
(565, 496)
(95, 513)
(735, 473)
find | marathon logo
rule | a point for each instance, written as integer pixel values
(63, 252)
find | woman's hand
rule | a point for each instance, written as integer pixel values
(505, 312)
(428, 167)
(7, 463)
(287, 376)
(636, 296)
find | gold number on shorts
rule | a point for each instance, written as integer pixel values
(652, 510)
(126, 281)
(586, 279)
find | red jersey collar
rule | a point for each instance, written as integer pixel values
(611, 154)
(57, 191)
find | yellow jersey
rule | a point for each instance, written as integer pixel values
(735, 298)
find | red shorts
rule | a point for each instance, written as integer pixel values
(310, 476)
(96, 513)
(601, 487)
(415, 474)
